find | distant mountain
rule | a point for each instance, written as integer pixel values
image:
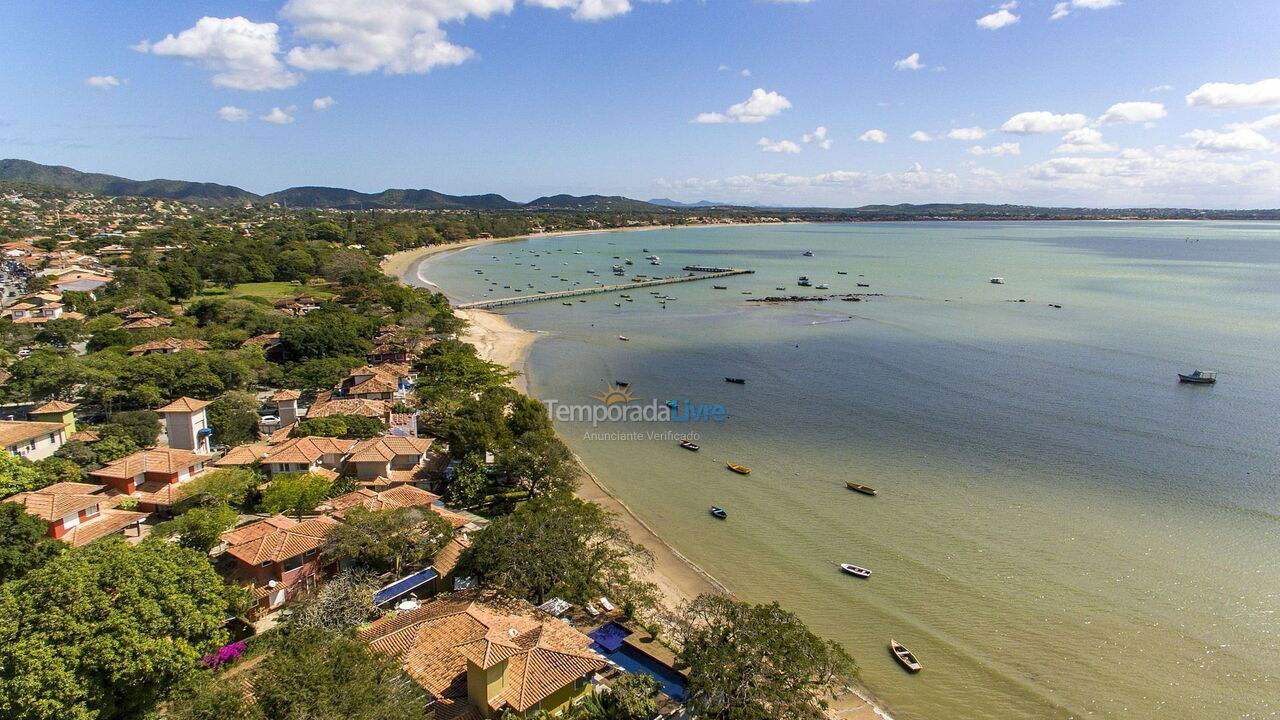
(668, 202)
(343, 199)
(593, 203)
(71, 179)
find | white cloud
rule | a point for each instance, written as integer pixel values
(1009, 148)
(1064, 9)
(873, 135)
(1084, 140)
(1161, 88)
(106, 82)
(759, 107)
(910, 62)
(582, 9)
(1232, 96)
(278, 116)
(322, 103)
(1240, 140)
(1032, 123)
(818, 137)
(242, 54)
(1133, 112)
(968, 134)
(922, 136)
(1270, 122)
(1000, 18)
(722, 68)
(781, 146)
(231, 113)
(745, 72)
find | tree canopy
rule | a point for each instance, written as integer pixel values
(295, 493)
(24, 542)
(383, 540)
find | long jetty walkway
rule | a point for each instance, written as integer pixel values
(696, 272)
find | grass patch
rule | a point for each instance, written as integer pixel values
(270, 291)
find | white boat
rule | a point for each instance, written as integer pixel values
(808, 253)
(904, 656)
(1200, 377)
(855, 571)
(997, 281)
(823, 286)
(624, 338)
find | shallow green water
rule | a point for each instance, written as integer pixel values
(1062, 529)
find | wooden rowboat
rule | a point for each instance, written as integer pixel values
(855, 570)
(904, 656)
(859, 487)
(719, 513)
(740, 469)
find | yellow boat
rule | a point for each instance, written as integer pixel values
(740, 469)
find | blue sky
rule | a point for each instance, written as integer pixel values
(1140, 102)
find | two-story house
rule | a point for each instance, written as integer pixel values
(479, 656)
(157, 478)
(32, 440)
(279, 557)
(322, 455)
(390, 458)
(77, 513)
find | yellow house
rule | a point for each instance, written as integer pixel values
(480, 655)
(57, 411)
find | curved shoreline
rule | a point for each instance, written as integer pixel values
(678, 578)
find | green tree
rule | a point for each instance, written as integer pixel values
(385, 540)
(114, 447)
(207, 696)
(233, 486)
(53, 470)
(631, 697)
(17, 475)
(540, 462)
(351, 427)
(469, 482)
(559, 545)
(61, 332)
(102, 631)
(295, 493)
(182, 280)
(140, 426)
(234, 419)
(24, 542)
(200, 528)
(756, 662)
(344, 602)
(450, 373)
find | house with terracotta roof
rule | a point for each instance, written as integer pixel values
(392, 458)
(77, 513)
(279, 557)
(401, 496)
(186, 423)
(56, 411)
(376, 382)
(168, 346)
(307, 454)
(32, 440)
(326, 405)
(478, 656)
(157, 478)
(38, 313)
(147, 323)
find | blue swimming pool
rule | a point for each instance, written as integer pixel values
(635, 661)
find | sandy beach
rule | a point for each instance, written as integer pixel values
(678, 579)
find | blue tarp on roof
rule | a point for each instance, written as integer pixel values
(404, 585)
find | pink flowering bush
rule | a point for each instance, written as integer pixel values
(225, 654)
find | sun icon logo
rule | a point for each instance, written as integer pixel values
(614, 394)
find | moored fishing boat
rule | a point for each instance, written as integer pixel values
(904, 656)
(719, 513)
(687, 445)
(859, 487)
(719, 287)
(624, 338)
(736, 381)
(855, 571)
(740, 469)
(1199, 377)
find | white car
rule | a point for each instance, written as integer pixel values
(269, 420)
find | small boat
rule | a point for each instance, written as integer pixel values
(577, 252)
(736, 381)
(997, 281)
(717, 512)
(855, 571)
(655, 262)
(629, 261)
(625, 297)
(624, 338)
(859, 487)
(808, 253)
(824, 286)
(1199, 377)
(567, 303)
(617, 304)
(621, 384)
(720, 287)
(842, 272)
(781, 287)
(644, 250)
(864, 285)
(690, 445)
(904, 656)
(740, 469)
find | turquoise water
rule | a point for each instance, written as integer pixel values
(1062, 529)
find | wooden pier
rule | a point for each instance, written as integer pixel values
(703, 273)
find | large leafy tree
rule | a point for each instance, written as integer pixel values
(295, 493)
(631, 697)
(199, 528)
(450, 373)
(233, 486)
(102, 631)
(233, 419)
(24, 542)
(540, 462)
(384, 540)
(559, 545)
(756, 662)
(17, 475)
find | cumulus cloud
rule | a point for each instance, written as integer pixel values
(277, 116)
(1000, 18)
(874, 136)
(244, 55)
(1064, 9)
(745, 72)
(106, 82)
(1133, 112)
(922, 136)
(1009, 148)
(759, 107)
(231, 113)
(1239, 140)
(817, 137)
(1233, 96)
(781, 146)
(968, 134)
(1270, 122)
(910, 62)
(322, 103)
(1161, 88)
(1084, 140)
(1041, 121)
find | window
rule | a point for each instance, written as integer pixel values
(90, 511)
(293, 563)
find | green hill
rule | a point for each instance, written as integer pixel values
(71, 179)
